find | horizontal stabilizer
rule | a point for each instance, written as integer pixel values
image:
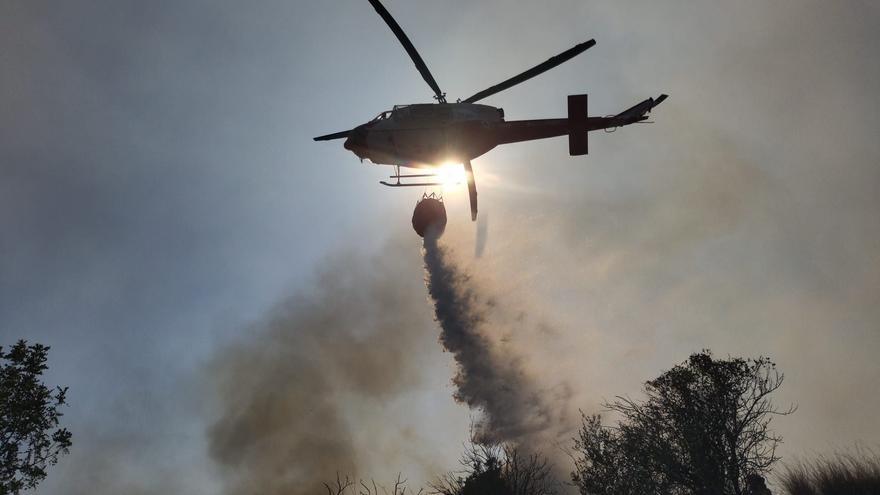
(640, 111)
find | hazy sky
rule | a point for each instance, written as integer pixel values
(162, 206)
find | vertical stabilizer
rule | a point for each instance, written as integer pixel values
(577, 125)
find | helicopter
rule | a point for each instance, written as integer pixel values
(426, 135)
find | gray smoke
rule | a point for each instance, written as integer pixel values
(490, 378)
(311, 392)
(482, 235)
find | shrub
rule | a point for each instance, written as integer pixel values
(842, 474)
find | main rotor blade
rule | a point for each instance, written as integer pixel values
(335, 135)
(534, 71)
(410, 49)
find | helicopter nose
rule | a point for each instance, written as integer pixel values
(357, 139)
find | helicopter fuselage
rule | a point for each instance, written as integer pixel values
(426, 134)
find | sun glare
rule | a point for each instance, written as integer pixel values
(451, 175)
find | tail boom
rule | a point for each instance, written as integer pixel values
(576, 126)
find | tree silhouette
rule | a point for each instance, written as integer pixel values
(499, 470)
(703, 429)
(30, 436)
(347, 486)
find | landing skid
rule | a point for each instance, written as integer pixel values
(411, 184)
(398, 176)
(469, 171)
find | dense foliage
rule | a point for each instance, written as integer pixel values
(703, 429)
(30, 436)
(499, 470)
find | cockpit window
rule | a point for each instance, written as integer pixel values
(382, 116)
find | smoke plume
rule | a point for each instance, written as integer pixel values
(482, 235)
(312, 390)
(490, 377)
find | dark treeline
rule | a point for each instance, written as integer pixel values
(702, 428)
